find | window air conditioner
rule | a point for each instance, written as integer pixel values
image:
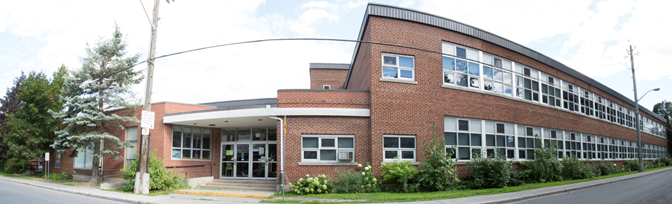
(345, 155)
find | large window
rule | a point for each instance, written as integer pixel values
(527, 141)
(464, 135)
(131, 137)
(497, 80)
(328, 148)
(84, 159)
(600, 108)
(460, 72)
(398, 66)
(527, 83)
(570, 98)
(399, 146)
(611, 112)
(554, 137)
(499, 140)
(550, 90)
(191, 143)
(587, 103)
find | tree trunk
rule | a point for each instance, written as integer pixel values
(95, 173)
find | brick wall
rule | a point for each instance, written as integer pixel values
(323, 99)
(335, 78)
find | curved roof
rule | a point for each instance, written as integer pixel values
(441, 22)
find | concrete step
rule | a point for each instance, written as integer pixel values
(245, 181)
(238, 184)
(249, 188)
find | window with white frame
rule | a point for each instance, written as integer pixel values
(497, 80)
(398, 66)
(588, 146)
(326, 87)
(464, 135)
(84, 158)
(499, 140)
(527, 141)
(570, 98)
(611, 112)
(132, 138)
(586, 101)
(460, 72)
(600, 108)
(620, 114)
(401, 146)
(191, 143)
(527, 83)
(550, 90)
(553, 137)
(327, 148)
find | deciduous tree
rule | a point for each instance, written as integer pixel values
(664, 109)
(9, 105)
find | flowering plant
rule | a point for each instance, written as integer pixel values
(311, 185)
(369, 182)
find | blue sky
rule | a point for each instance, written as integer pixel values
(588, 36)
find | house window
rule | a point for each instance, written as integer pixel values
(461, 72)
(328, 148)
(84, 159)
(131, 137)
(399, 146)
(57, 163)
(326, 87)
(398, 66)
(191, 143)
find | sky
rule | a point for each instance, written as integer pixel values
(588, 36)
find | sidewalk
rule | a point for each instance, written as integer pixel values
(192, 196)
(196, 196)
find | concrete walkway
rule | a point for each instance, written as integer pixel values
(191, 196)
(196, 196)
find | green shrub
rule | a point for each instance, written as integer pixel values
(663, 161)
(604, 168)
(400, 174)
(573, 168)
(361, 181)
(517, 178)
(308, 185)
(631, 165)
(438, 172)
(61, 176)
(159, 178)
(545, 166)
(16, 166)
(490, 172)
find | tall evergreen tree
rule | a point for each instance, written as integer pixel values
(31, 128)
(9, 105)
(102, 85)
(664, 109)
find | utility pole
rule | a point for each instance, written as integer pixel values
(639, 134)
(142, 176)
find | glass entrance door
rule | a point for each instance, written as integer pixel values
(248, 154)
(243, 160)
(228, 158)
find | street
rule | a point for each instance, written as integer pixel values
(648, 189)
(11, 192)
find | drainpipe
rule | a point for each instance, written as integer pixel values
(282, 157)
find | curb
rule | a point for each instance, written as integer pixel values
(633, 176)
(220, 194)
(75, 192)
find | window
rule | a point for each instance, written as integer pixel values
(326, 87)
(589, 147)
(460, 72)
(550, 90)
(398, 67)
(554, 137)
(399, 146)
(466, 139)
(600, 109)
(527, 84)
(84, 159)
(499, 140)
(611, 112)
(586, 101)
(497, 80)
(57, 163)
(527, 141)
(131, 137)
(191, 143)
(620, 114)
(326, 148)
(570, 98)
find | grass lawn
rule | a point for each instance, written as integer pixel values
(42, 179)
(424, 196)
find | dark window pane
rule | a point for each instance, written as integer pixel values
(346, 142)
(509, 154)
(490, 152)
(490, 140)
(530, 143)
(310, 142)
(475, 139)
(521, 142)
(407, 142)
(177, 139)
(407, 155)
(450, 152)
(450, 137)
(500, 128)
(521, 154)
(464, 125)
(390, 142)
(530, 154)
(328, 142)
(390, 154)
(328, 155)
(463, 152)
(501, 141)
(309, 154)
(463, 139)
(529, 131)
(461, 52)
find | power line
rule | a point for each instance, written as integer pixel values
(145, 10)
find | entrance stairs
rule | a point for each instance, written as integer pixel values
(235, 184)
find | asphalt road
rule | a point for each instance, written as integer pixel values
(11, 192)
(648, 189)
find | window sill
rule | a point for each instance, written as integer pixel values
(412, 163)
(327, 164)
(405, 81)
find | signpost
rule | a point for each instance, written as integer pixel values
(46, 159)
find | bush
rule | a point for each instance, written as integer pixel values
(401, 175)
(631, 165)
(545, 166)
(604, 168)
(573, 168)
(488, 172)
(16, 166)
(159, 178)
(308, 185)
(663, 161)
(61, 176)
(438, 172)
(361, 181)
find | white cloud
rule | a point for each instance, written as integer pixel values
(354, 4)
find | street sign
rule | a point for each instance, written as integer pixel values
(145, 131)
(147, 119)
(46, 156)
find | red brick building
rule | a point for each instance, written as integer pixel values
(412, 71)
